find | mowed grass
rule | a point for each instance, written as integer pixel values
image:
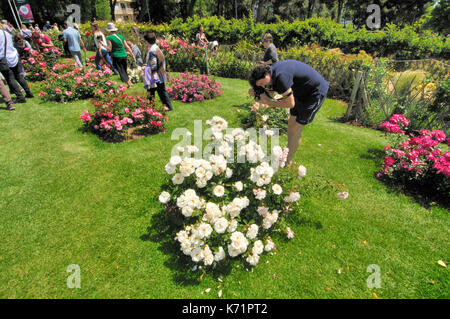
(68, 198)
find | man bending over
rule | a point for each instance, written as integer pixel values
(302, 89)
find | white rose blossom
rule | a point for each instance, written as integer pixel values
(164, 197)
(219, 191)
(301, 171)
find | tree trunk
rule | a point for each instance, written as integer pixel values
(190, 8)
(339, 10)
(311, 4)
(112, 7)
(144, 12)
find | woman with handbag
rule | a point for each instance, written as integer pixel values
(119, 48)
(155, 71)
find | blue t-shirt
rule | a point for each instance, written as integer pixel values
(72, 35)
(303, 79)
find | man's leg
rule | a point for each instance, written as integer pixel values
(78, 58)
(294, 138)
(13, 85)
(163, 95)
(6, 96)
(18, 75)
(97, 60)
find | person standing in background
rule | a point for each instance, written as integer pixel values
(155, 60)
(270, 55)
(119, 48)
(200, 38)
(47, 26)
(102, 52)
(25, 32)
(73, 39)
(137, 53)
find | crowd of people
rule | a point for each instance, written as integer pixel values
(301, 89)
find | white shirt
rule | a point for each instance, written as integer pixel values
(104, 43)
(11, 53)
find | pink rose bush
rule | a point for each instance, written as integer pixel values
(69, 82)
(416, 161)
(116, 112)
(228, 209)
(190, 87)
(38, 65)
(182, 56)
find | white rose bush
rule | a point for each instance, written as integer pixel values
(226, 208)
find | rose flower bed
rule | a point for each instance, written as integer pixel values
(182, 56)
(38, 65)
(416, 163)
(118, 115)
(225, 208)
(77, 84)
(190, 87)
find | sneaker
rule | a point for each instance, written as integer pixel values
(10, 107)
(29, 95)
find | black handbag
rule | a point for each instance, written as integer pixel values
(3, 62)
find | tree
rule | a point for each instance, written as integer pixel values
(399, 12)
(112, 8)
(438, 20)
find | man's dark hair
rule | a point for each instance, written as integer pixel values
(258, 73)
(150, 37)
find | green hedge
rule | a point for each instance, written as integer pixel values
(391, 42)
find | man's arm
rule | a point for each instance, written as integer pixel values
(82, 43)
(287, 100)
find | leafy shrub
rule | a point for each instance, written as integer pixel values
(116, 112)
(77, 84)
(183, 57)
(392, 42)
(190, 87)
(38, 66)
(416, 163)
(226, 64)
(225, 209)
(262, 116)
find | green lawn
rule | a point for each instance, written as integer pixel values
(69, 198)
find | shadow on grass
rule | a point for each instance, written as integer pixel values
(163, 232)
(422, 192)
(134, 133)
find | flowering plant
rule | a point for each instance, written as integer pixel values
(229, 208)
(39, 64)
(182, 56)
(190, 87)
(115, 113)
(135, 75)
(76, 84)
(263, 116)
(417, 162)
